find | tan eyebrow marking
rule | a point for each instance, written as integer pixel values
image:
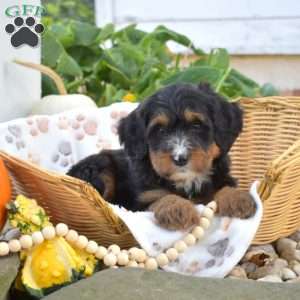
(191, 116)
(160, 119)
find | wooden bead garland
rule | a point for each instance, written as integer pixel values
(113, 255)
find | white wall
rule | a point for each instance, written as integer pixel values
(241, 26)
(19, 87)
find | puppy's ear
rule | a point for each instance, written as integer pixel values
(131, 132)
(228, 123)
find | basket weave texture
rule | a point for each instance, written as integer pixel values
(268, 150)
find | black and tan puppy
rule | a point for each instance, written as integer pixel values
(175, 155)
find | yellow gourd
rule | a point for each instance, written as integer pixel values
(53, 263)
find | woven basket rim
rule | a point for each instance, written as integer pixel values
(278, 101)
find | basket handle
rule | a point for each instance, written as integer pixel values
(289, 157)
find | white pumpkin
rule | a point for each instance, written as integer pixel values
(53, 104)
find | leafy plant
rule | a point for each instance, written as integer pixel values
(80, 10)
(110, 65)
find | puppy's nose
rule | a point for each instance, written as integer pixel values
(180, 160)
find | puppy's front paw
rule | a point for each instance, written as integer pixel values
(235, 203)
(175, 213)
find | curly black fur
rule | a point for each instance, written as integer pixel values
(132, 167)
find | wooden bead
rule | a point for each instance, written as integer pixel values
(180, 246)
(133, 253)
(91, 247)
(204, 222)
(114, 267)
(151, 264)
(49, 232)
(72, 236)
(26, 241)
(190, 240)
(101, 252)
(61, 229)
(14, 246)
(37, 237)
(122, 259)
(81, 242)
(207, 213)
(110, 259)
(115, 249)
(132, 264)
(198, 232)
(162, 259)
(172, 254)
(4, 249)
(212, 205)
(141, 256)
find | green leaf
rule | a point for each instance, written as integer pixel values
(195, 75)
(163, 34)
(127, 59)
(85, 34)
(268, 90)
(246, 80)
(51, 49)
(106, 32)
(63, 33)
(129, 34)
(219, 58)
(66, 65)
(239, 87)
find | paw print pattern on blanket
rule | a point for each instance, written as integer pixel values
(37, 126)
(194, 267)
(64, 155)
(117, 116)
(83, 127)
(14, 136)
(218, 252)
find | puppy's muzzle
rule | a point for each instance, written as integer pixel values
(180, 160)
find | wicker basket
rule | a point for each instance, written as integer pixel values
(267, 150)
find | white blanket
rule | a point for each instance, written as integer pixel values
(56, 142)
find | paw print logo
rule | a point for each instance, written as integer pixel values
(24, 32)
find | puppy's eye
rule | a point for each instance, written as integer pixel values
(197, 125)
(162, 130)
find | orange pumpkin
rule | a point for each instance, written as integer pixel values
(5, 192)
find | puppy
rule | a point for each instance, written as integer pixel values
(175, 155)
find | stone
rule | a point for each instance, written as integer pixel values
(287, 249)
(296, 269)
(271, 268)
(260, 254)
(295, 236)
(293, 263)
(249, 267)
(284, 243)
(295, 280)
(238, 272)
(9, 266)
(266, 251)
(133, 283)
(287, 274)
(270, 278)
